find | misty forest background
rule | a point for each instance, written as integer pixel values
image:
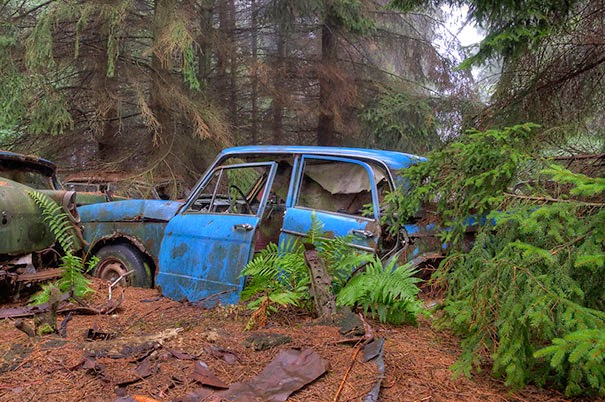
(513, 127)
(161, 86)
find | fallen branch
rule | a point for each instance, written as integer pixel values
(555, 200)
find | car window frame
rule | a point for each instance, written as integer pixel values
(271, 165)
(296, 184)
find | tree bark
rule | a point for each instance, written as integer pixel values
(226, 61)
(163, 13)
(254, 90)
(205, 40)
(106, 112)
(326, 134)
(278, 83)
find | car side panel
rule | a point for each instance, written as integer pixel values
(22, 228)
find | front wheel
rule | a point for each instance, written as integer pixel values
(119, 259)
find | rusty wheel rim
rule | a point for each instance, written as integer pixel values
(110, 269)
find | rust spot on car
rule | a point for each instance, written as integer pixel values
(179, 251)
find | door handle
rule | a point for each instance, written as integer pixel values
(243, 226)
(363, 233)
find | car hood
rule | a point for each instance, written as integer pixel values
(130, 210)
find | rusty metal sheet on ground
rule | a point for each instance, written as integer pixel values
(202, 374)
(287, 373)
(375, 351)
(27, 311)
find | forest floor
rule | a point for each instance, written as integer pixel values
(156, 343)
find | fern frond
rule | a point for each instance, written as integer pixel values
(316, 231)
(56, 219)
(72, 265)
(385, 293)
(43, 295)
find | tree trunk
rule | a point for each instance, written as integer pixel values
(106, 141)
(278, 87)
(226, 61)
(254, 89)
(205, 41)
(326, 134)
(163, 13)
(233, 64)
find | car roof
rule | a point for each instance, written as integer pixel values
(392, 159)
(32, 160)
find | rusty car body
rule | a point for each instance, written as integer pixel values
(251, 196)
(25, 240)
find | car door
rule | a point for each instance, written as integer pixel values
(208, 243)
(341, 193)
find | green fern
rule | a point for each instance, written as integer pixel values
(278, 275)
(73, 267)
(384, 292)
(339, 259)
(317, 230)
(56, 219)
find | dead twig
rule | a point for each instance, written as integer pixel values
(114, 283)
(555, 200)
(346, 340)
(344, 378)
(368, 337)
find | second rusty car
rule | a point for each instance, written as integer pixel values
(26, 241)
(251, 196)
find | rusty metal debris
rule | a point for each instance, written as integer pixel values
(93, 334)
(203, 375)
(28, 311)
(321, 291)
(375, 351)
(180, 355)
(368, 338)
(287, 373)
(228, 356)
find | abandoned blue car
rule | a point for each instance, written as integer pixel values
(250, 196)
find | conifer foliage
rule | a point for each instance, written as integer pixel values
(528, 297)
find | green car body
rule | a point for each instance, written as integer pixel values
(26, 241)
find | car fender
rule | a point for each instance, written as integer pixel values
(122, 238)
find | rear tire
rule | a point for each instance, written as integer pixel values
(117, 260)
